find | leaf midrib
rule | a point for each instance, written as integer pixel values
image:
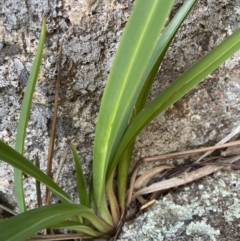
(115, 110)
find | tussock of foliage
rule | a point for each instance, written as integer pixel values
(123, 115)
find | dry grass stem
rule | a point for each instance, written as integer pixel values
(60, 165)
(54, 122)
(186, 178)
(149, 203)
(54, 119)
(190, 152)
(173, 155)
(8, 210)
(58, 237)
(132, 181)
(146, 177)
(224, 140)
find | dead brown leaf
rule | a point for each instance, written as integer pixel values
(146, 177)
(184, 179)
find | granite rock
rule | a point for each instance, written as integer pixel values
(201, 118)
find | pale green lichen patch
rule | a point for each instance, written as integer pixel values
(174, 214)
(211, 212)
(233, 211)
(201, 229)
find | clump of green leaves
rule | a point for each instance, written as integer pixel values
(123, 115)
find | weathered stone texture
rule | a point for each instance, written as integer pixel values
(201, 211)
(94, 28)
(94, 31)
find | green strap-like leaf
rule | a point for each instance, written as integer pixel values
(24, 115)
(77, 227)
(14, 158)
(161, 49)
(180, 87)
(112, 201)
(153, 65)
(82, 189)
(122, 177)
(26, 224)
(125, 82)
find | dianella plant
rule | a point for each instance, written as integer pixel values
(122, 116)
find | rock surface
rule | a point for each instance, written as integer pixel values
(201, 118)
(205, 210)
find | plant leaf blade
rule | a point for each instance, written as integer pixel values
(14, 158)
(125, 82)
(22, 226)
(180, 87)
(82, 189)
(24, 115)
(157, 57)
(77, 227)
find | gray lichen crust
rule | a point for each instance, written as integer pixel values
(201, 229)
(205, 210)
